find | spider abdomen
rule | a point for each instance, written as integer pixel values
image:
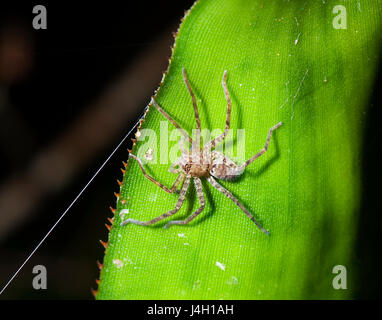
(225, 172)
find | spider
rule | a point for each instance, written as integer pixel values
(200, 163)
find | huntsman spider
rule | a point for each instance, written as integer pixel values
(200, 163)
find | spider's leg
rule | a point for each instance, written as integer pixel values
(167, 214)
(171, 190)
(172, 168)
(193, 99)
(211, 144)
(167, 116)
(176, 183)
(181, 145)
(228, 194)
(196, 144)
(199, 191)
(262, 151)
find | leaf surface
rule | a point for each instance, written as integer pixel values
(286, 62)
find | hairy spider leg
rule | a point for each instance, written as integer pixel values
(178, 205)
(262, 151)
(211, 144)
(228, 194)
(195, 147)
(193, 98)
(199, 191)
(176, 163)
(172, 167)
(168, 117)
(160, 185)
(181, 145)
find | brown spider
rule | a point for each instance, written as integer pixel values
(201, 162)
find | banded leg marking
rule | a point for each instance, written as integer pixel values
(228, 194)
(178, 205)
(199, 191)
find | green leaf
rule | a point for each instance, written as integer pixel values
(286, 62)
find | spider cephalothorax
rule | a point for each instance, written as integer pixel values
(201, 163)
(194, 164)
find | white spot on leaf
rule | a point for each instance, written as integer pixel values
(118, 263)
(149, 154)
(220, 265)
(123, 212)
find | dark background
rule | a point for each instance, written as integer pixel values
(52, 83)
